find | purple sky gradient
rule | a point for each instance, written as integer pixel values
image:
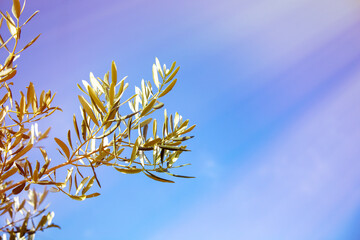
(272, 86)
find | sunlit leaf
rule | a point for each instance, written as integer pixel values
(152, 142)
(135, 149)
(21, 153)
(16, 9)
(31, 42)
(33, 15)
(92, 195)
(148, 108)
(78, 198)
(45, 134)
(145, 122)
(155, 76)
(188, 130)
(154, 177)
(131, 170)
(76, 127)
(88, 110)
(173, 148)
(180, 176)
(63, 147)
(172, 74)
(88, 186)
(172, 67)
(95, 83)
(158, 66)
(8, 174)
(168, 88)
(96, 99)
(113, 73)
(82, 183)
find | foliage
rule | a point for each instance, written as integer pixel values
(102, 135)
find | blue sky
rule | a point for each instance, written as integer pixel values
(272, 86)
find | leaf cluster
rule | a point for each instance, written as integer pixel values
(104, 134)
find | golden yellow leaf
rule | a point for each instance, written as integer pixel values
(45, 134)
(96, 99)
(135, 149)
(158, 66)
(16, 9)
(152, 176)
(76, 127)
(8, 173)
(129, 170)
(93, 195)
(82, 183)
(152, 142)
(113, 73)
(173, 74)
(33, 15)
(63, 147)
(168, 88)
(88, 110)
(189, 129)
(78, 198)
(148, 108)
(4, 99)
(21, 153)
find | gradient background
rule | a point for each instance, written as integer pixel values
(273, 86)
